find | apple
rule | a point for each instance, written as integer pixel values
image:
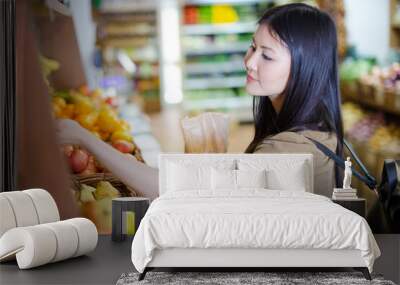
(78, 160)
(124, 146)
(91, 167)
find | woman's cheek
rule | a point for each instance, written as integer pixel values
(273, 78)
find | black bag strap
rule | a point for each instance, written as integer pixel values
(368, 179)
(389, 180)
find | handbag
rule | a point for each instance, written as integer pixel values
(388, 190)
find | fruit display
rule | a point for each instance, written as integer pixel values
(99, 116)
(81, 162)
(351, 69)
(370, 129)
(96, 203)
(386, 139)
(96, 114)
(383, 77)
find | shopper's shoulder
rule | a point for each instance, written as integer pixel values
(299, 141)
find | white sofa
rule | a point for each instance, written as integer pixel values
(31, 231)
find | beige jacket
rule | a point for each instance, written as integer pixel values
(291, 142)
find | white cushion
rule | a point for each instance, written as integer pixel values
(23, 208)
(293, 178)
(184, 175)
(185, 178)
(226, 179)
(278, 161)
(7, 218)
(289, 175)
(46, 207)
(40, 244)
(251, 178)
(223, 179)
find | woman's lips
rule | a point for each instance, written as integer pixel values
(250, 78)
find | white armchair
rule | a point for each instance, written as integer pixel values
(31, 230)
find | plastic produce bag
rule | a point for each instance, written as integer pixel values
(206, 133)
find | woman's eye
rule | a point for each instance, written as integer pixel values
(266, 57)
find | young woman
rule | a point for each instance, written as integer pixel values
(293, 75)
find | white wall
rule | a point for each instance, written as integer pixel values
(368, 23)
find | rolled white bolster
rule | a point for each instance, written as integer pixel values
(45, 205)
(87, 235)
(7, 218)
(23, 208)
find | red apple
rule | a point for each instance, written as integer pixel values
(90, 168)
(124, 146)
(78, 160)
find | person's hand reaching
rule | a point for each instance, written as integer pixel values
(70, 132)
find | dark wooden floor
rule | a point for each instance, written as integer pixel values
(111, 259)
(102, 266)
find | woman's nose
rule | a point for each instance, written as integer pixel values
(251, 62)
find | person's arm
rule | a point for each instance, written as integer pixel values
(133, 173)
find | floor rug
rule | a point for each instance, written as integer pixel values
(243, 278)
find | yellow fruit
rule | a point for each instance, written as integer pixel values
(57, 110)
(104, 135)
(121, 135)
(83, 104)
(96, 93)
(59, 101)
(105, 189)
(108, 121)
(124, 126)
(69, 111)
(88, 121)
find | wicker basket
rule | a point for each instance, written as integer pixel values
(93, 179)
(99, 211)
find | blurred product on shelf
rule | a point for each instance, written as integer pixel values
(129, 48)
(215, 38)
(373, 137)
(372, 85)
(219, 14)
(387, 77)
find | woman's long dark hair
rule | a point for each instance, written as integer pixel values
(312, 99)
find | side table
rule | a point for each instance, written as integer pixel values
(358, 205)
(121, 209)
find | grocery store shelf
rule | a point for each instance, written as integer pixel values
(128, 6)
(214, 67)
(216, 49)
(239, 108)
(219, 103)
(393, 110)
(232, 2)
(214, 82)
(211, 29)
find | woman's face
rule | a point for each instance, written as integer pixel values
(268, 65)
